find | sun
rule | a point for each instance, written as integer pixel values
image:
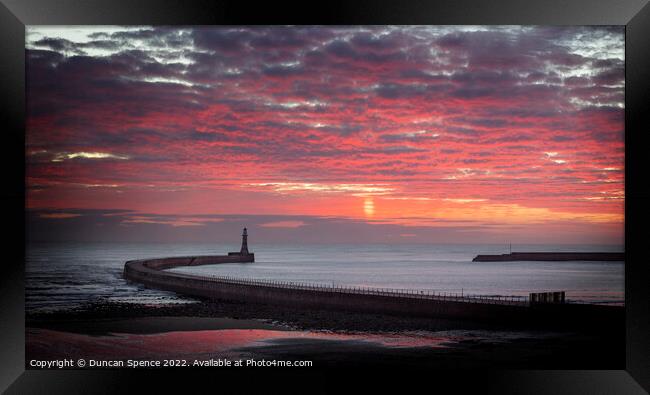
(369, 207)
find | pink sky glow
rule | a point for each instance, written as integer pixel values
(491, 133)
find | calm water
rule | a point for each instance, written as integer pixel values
(67, 275)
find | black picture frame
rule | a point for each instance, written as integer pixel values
(634, 14)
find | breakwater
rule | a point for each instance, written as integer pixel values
(552, 256)
(500, 310)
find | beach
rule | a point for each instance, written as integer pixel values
(213, 330)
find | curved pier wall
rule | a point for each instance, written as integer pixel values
(149, 272)
(168, 263)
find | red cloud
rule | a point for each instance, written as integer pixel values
(453, 124)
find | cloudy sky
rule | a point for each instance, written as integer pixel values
(326, 134)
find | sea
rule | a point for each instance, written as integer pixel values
(64, 276)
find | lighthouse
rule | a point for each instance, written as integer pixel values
(244, 243)
(243, 255)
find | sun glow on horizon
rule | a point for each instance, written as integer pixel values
(369, 207)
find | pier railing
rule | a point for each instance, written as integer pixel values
(390, 292)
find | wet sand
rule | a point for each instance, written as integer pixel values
(294, 318)
(207, 329)
(149, 325)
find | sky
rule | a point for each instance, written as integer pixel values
(387, 134)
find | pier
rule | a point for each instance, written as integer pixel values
(537, 309)
(152, 273)
(511, 310)
(552, 256)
